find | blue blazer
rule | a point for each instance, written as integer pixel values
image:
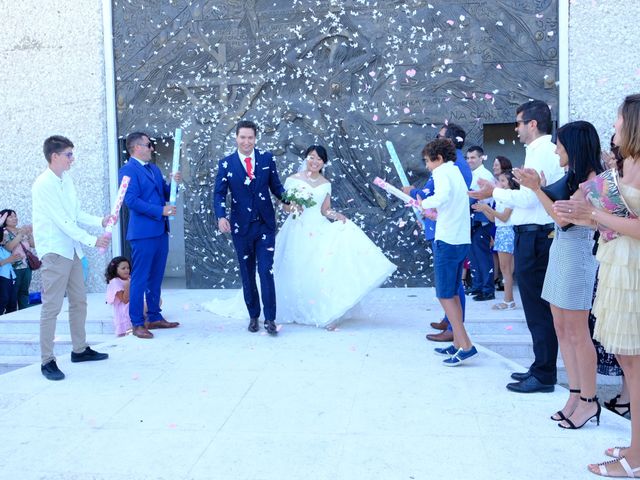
(249, 200)
(146, 197)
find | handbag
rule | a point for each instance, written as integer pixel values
(558, 190)
(32, 259)
(603, 192)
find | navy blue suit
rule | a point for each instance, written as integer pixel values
(148, 235)
(253, 224)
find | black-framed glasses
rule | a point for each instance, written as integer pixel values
(523, 122)
(66, 154)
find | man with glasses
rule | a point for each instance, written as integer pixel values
(56, 214)
(147, 233)
(533, 236)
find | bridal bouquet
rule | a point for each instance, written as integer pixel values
(295, 196)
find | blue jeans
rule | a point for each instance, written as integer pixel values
(448, 261)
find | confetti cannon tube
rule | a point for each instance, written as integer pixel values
(116, 209)
(400, 171)
(177, 140)
(396, 193)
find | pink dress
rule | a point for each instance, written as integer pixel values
(121, 319)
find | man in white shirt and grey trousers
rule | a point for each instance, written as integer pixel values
(56, 214)
(533, 229)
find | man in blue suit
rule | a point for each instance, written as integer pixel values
(251, 177)
(147, 233)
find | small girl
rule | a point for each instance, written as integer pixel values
(117, 276)
(503, 244)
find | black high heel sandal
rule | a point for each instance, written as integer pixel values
(559, 416)
(614, 406)
(573, 426)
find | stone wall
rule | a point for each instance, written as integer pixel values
(604, 60)
(53, 82)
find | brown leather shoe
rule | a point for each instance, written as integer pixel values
(142, 332)
(161, 324)
(441, 325)
(446, 336)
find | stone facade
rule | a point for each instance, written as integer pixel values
(604, 60)
(53, 82)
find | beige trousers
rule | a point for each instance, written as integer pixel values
(59, 274)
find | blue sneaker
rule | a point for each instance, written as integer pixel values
(460, 356)
(450, 351)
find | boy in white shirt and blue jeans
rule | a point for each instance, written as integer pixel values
(451, 243)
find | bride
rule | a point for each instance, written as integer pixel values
(322, 268)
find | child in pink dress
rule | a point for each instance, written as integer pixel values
(118, 279)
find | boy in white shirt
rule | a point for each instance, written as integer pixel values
(56, 214)
(451, 243)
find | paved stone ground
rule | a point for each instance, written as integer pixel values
(211, 401)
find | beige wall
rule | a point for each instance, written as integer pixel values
(604, 60)
(52, 82)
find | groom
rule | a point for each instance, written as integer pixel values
(250, 175)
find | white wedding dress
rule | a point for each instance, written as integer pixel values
(322, 269)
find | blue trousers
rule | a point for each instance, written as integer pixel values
(481, 259)
(149, 259)
(255, 249)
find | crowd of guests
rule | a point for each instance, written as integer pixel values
(15, 271)
(565, 225)
(568, 222)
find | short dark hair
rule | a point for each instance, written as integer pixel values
(55, 144)
(456, 133)
(133, 139)
(440, 146)
(246, 124)
(582, 144)
(540, 112)
(475, 148)
(505, 163)
(112, 269)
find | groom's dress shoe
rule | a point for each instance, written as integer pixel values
(253, 325)
(446, 336)
(270, 327)
(441, 325)
(530, 385)
(519, 376)
(160, 324)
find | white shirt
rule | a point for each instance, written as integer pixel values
(452, 202)
(483, 173)
(56, 214)
(501, 207)
(541, 156)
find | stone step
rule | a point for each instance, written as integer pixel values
(12, 326)
(29, 344)
(9, 363)
(511, 346)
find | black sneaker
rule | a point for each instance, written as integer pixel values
(51, 371)
(88, 356)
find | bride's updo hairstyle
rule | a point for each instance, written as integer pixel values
(320, 150)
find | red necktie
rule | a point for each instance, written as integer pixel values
(247, 162)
